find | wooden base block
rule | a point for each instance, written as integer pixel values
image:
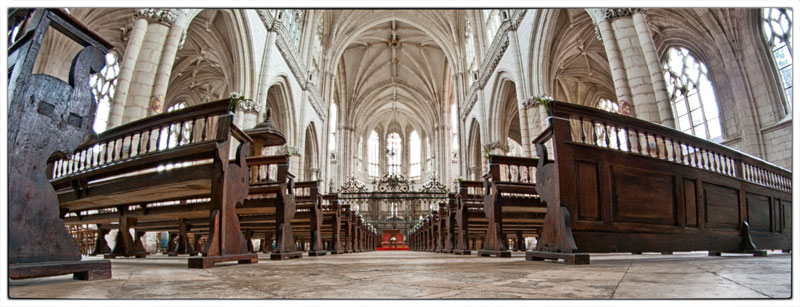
(755, 253)
(636, 253)
(462, 252)
(569, 258)
(499, 254)
(317, 253)
(666, 253)
(335, 252)
(176, 254)
(81, 270)
(283, 256)
(204, 262)
(786, 250)
(137, 255)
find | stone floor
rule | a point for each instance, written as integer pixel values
(422, 275)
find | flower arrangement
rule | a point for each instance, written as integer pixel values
(236, 98)
(543, 100)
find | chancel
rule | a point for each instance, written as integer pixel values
(603, 153)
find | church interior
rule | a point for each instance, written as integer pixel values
(549, 153)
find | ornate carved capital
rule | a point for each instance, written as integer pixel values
(289, 150)
(529, 102)
(495, 145)
(597, 33)
(164, 16)
(615, 13)
(183, 39)
(249, 106)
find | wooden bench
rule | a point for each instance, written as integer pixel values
(45, 116)
(272, 202)
(309, 219)
(450, 224)
(131, 171)
(332, 223)
(619, 184)
(470, 216)
(511, 203)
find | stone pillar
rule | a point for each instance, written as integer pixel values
(634, 65)
(615, 62)
(654, 66)
(247, 114)
(144, 74)
(176, 33)
(126, 68)
(263, 81)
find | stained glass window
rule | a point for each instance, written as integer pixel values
(394, 150)
(777, 26)
(372, 155)
(415, 155)
(693, 100)
(103, 85)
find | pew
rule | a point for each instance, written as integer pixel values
(469, 213)
(511, 203)
(620, 184)
(450, 225)
(46, 117)
(141, 171)
(332, 222)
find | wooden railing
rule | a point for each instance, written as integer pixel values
(627, 134)
(512, 169)
(150, 141)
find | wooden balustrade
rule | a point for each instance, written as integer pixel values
(620, 184)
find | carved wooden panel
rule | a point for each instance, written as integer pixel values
(759, 214)
(690, 201)
(786, 216)
(588, 191)
(721, 206)
(643, 196)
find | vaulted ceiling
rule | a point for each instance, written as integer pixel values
(394, 70)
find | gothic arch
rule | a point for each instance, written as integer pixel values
(215, 59)
(311, 154)
(279, 99)
(474, 151)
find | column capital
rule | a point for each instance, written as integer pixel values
(249, 106)
(611, 14)
(166, 17)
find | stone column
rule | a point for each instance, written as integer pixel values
(635, 66)
(175, 36)
(615, 62)
(263, 81)
(654, 66)
(247, 114)
(139, 99)
(126, 68)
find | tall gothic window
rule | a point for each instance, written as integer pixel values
(394, 152)
(294, 25)
(372, 155)
(777, 26)
(103, 85)
(332, 128)
(491, 23)
(360, 154)
(176, 107)
(454, 132)
(415, 155)
(608, 106)
(693, 101)
(469, 48)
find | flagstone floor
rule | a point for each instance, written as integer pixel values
(423, 275)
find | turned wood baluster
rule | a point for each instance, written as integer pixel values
(583, 129)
